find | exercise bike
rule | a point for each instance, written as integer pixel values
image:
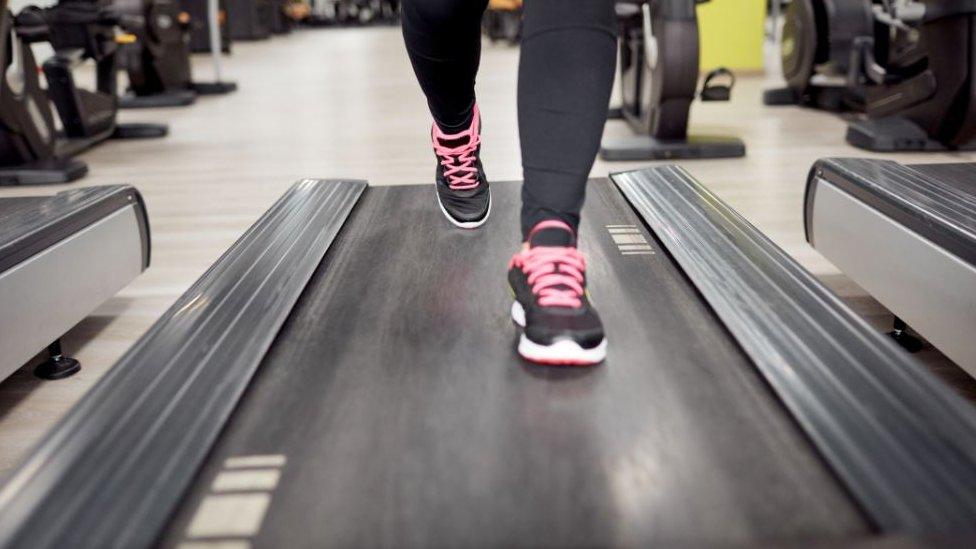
(29, 143)
(907, 65)
(816, 54)
(80, 30)
(919, 74)
(158, 62)
(659, 64)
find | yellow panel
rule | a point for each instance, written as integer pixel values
(732, 34)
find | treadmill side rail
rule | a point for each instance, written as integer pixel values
(25, 231)
(141, 433)
(907, 235)
(903, 443)
(923, 203)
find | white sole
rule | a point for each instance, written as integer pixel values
(463, 224)
(562, 352)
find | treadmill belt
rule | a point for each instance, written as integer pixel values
(393, 410)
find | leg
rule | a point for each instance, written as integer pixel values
(443, 39)
(565, 78)
(569, 52)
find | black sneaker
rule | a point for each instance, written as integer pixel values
(462, 188)
(548, 279)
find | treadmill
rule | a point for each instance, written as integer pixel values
(346, 375)
(61, 257)
(907, 235)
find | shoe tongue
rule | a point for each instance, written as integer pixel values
(552, 237)
(454, 142)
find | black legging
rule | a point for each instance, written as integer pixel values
(566, 74)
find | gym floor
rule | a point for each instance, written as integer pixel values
(344, 103)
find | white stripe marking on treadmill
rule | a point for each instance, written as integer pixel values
(629, 240)
(229, 515)
(241, 462)
(217, 544)
(247, 480)
(239, 497)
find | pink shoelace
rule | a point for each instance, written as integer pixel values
(459, 161)
(554, 272)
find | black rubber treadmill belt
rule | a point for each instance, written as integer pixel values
(396, 412)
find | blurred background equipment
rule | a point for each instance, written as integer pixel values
(34, 150)
(503, 21)
(250, 19)
(29, 144)
(353, 12)
(158, 61)
(659, 69)
(79, 31)
(196, 11)
(904, 63)
(816, 46)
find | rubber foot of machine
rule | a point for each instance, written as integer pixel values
(644, 147)
(44, 172)
(780, 96)
(140, 131)
(57, 366)
(895, 134)
(905, 339)
(214, 88)
(826, 98)
(177, 98)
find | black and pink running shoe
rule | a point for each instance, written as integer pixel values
(462, 188)
(560, 326)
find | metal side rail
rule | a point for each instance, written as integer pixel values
(26, 228)
(903, 443)
(110, 473)
(933, 209)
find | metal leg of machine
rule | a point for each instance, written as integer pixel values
(219, 86)
(57, 366)
(903, 337)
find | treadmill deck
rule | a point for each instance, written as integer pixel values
(392, 409)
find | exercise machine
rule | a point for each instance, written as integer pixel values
(503, 21)
(282, 16)
(931, 104)
(29, 143)
(250, 19)
(158, 62)
(354, 12)
(905, 64)
(816, 48)
(61, 257)
(80, 30)
(659, 65)
(198, 12)
(741, 402)
(907, 235)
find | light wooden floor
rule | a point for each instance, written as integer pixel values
(343, 103)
